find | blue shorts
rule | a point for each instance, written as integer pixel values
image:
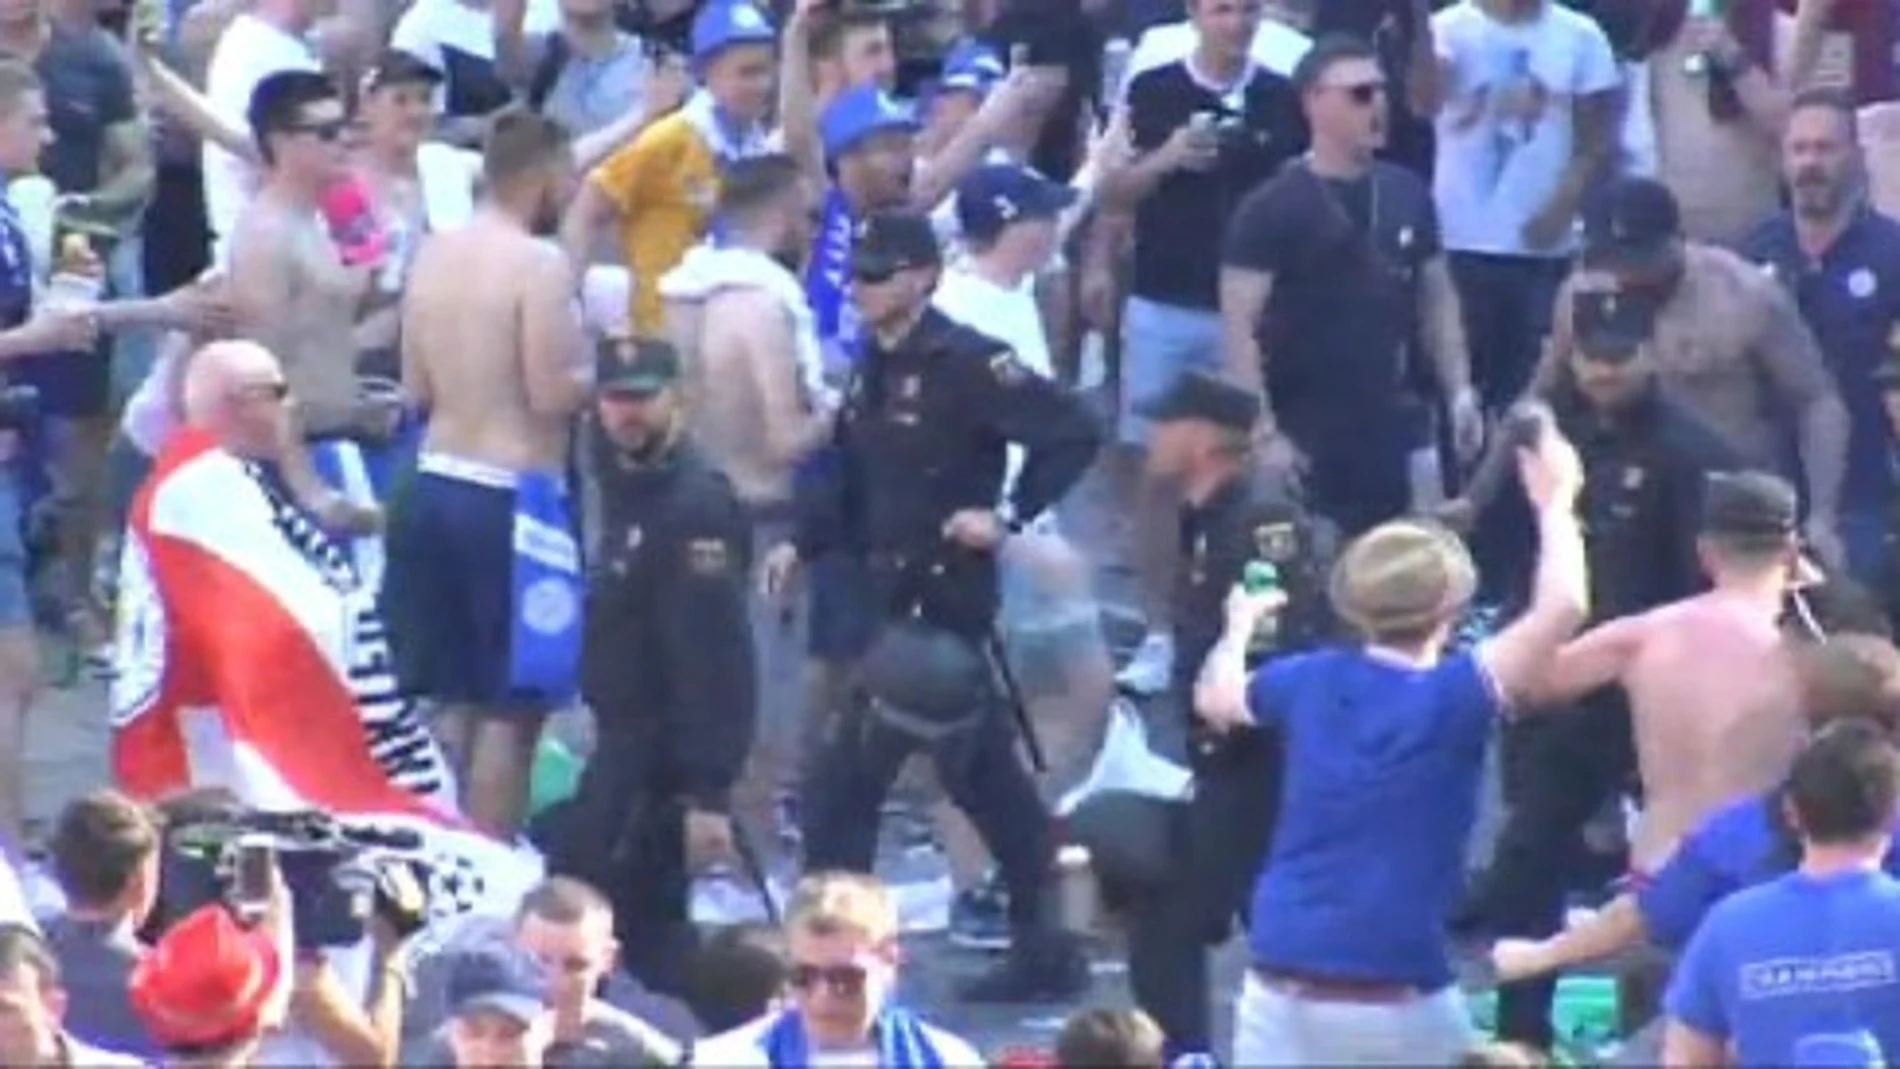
(1159, 343)
(448, 588)
(16, 607)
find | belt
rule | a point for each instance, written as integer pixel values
(1305, 987)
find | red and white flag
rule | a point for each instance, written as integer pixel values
(251, 658)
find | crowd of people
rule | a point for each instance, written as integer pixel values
(1470, 391)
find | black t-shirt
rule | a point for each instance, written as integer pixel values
(88, 89)
(1262, 127)
(1342, 320)
(1392, 29)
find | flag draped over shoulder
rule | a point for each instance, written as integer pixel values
(250, 657)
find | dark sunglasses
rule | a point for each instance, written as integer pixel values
(843, 981)
(323, 131)
(1363, 93)
(873, 274)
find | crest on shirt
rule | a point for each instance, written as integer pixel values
(1634, 477)
(1862, 284)
(707, 556)
(910, 387)
(1276, 543)
(634, 537)
(1009, 368)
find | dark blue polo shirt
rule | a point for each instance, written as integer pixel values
(1850, 298)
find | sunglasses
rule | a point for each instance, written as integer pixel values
(332, 130)
(1362, 93)
(842, 981)
(872, 275)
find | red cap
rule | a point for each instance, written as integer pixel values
(206, 982)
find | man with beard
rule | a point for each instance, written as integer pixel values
(668, 668)
(760, 407)
(1841, 261)
(493, 351)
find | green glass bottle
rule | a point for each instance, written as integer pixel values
(1261, 577)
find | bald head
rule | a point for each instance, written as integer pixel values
(218, 372)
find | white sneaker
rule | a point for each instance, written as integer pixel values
(1149, 671)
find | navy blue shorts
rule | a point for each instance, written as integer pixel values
(448, 592)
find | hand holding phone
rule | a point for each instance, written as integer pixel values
(253, 878)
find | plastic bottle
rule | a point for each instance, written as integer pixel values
(1114, 68)
(1698, 65)
(1261, 577)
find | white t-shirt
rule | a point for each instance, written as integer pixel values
(1276, 46)
(248, 51)
(1504, 133)
(1011, 316)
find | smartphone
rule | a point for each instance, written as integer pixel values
(253, 877)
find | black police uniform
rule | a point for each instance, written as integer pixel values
(924, 433)
(1644, 471)
(667, 668)
(1227, 825)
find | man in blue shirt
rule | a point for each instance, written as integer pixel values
(1811, 961)
(1385, 743)
(1840, 260)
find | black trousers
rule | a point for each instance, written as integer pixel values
(1222, 840)
(979, 770)
(624, 833)
(1559, 769)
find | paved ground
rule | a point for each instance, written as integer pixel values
(67, 752)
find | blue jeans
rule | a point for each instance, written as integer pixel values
(16, 608)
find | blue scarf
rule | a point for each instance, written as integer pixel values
(901, 1042)
(825, 280)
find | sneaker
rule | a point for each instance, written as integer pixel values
(1053, 969)
(1148, 672)
(979, 919)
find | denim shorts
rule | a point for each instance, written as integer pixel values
(1160, 342)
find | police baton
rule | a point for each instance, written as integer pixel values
(1013, 694)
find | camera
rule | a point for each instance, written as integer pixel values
(19, 407)
(335, 885)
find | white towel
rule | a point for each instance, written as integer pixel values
(707, 269)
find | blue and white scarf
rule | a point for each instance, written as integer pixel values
(825, 287)
(729, 141)
(902, 1042)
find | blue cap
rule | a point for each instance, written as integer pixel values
(998, 194)
(1838, 1050)
(724, 23)
(971, 66)
(859, 113)
(497, 976)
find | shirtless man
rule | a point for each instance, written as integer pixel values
(492, 349)
(1711, 692)
(759, 407)
(295, 296)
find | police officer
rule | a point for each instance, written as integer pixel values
(929, 416)
(666, 664)
(1645, 461)
(1203, 428)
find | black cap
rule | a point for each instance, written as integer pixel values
(1631, 225)
(639, 366)
(1204, 396)
(396, 67)
(1751, 506)
(1610, 325)
(888, 242)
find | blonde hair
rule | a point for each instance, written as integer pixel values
(833, 903)
(1402, 580)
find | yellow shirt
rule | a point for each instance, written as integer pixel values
(664, 184)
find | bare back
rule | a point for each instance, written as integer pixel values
(298, 300)
(470, 348)
(742, 387)
(1713, 700)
